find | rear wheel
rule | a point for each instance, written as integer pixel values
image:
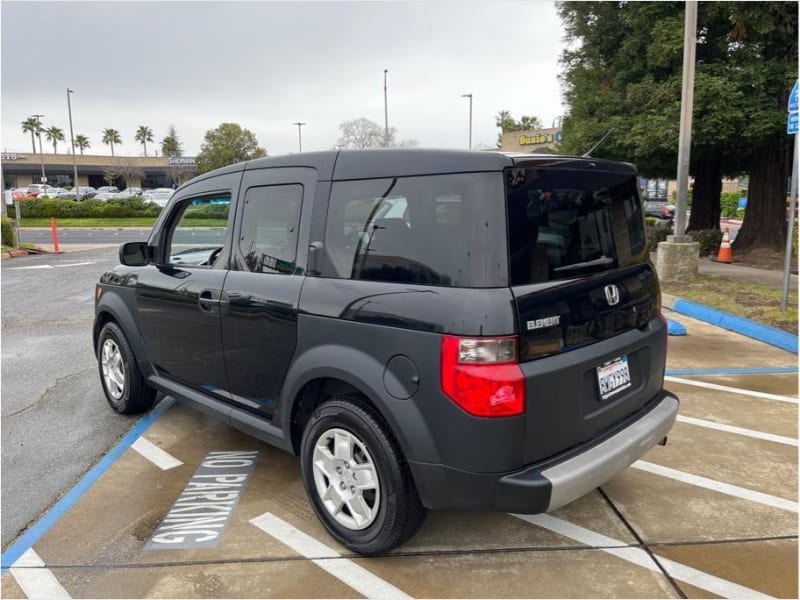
(123, 383)
(357, 479)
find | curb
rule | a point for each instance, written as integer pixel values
(752, 329)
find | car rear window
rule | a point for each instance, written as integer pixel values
(564, 223)
(442, 230)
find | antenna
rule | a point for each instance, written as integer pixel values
(588, 153)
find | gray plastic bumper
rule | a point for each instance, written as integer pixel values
(581, 474)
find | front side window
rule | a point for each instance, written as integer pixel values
(441, 230)
(198, 234)
(564, 223)
(270, 224)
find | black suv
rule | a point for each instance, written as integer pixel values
(424, 328)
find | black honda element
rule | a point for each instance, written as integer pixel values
(425, 329)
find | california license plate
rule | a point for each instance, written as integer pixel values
(613, 377)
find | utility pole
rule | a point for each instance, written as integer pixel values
(72, 141)
(299, 135)
(685, 135)
(469, 146)
(41, 150)
(385, 111)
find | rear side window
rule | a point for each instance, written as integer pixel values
(270, 222)
(442, 230)
(566, 223)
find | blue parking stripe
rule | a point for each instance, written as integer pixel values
(742, 371)
(52, 516)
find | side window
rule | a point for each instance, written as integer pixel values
(270, 222)
(197, 237)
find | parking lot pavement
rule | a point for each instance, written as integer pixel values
(712, 514)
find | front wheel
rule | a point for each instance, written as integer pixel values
(357, 479)
(123, 382)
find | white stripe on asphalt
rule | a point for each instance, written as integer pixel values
(759, 435)
(717, 486)
(89, 262)
(637, 556)
(34, 579)
(732, 390)
(345, 570)
(160, 458)
(32, 267)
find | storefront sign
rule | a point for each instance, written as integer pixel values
(12, 156)
(540, 138)
(181, 160)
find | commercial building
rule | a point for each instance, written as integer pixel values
(21, 169)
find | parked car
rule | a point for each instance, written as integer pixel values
(425, 329)
(67, 195)
(130, 192)
(35, 189)
(86, 192)
(660, 209)
(159, 196)
(112, 189)
(104, 195)
(51, 192)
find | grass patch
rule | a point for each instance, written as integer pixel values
(118, 222)
(760, 303)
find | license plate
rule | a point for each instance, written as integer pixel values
(613, 376)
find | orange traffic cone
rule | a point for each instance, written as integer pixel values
(725, 253)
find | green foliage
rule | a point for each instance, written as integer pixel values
(207, 211)
(8, 234)
(507, 123)
(171, 146)
(114, 207)
(655, 232)
(143, 135)
(111, 137)
(729, 203)
(226, 145)
(82, 142)
(709, 240)
(54, 135)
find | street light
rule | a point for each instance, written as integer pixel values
(385, 111)
(470, 118)
(72, 141)
(299, 135)
(41, 151)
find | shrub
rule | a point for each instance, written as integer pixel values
(729, 203)
(9, 239)
(114, 207)
(656, 231)
(709, 240)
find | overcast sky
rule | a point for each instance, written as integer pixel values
(265, 65)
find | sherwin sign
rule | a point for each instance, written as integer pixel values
(203, 510)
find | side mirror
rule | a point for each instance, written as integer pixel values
(133, 254)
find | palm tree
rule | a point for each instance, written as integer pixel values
(31, 124)
(81, 142)
(111, 137)
(143, 135)
(54, 134)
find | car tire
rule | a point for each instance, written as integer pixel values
(123, 383)
(342, 440)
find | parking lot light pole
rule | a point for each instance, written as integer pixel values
(299, 135)
(41, 150)
(470, 118)
(72, 142)
(385, 111)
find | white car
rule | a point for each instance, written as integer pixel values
(104, 195)
(50, 192)
(159, 196)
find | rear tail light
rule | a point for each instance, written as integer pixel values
(482, 376)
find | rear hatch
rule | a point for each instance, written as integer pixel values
(587, 300)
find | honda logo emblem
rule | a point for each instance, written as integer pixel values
(612, 294)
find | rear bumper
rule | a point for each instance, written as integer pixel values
(546, 486)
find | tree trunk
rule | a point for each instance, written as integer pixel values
(33, 143)
(705, 194)
(145, 148)
(764, 223)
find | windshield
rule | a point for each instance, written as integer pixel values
(564, 223)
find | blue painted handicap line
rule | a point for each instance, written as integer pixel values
(675, 328)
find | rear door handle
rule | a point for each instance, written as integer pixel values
(210, 299)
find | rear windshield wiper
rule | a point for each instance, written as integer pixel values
(598, 262)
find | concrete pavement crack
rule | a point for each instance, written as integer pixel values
(45, 393)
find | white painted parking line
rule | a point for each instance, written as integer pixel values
(345, 570)
(717, 486)
(31, 267)
(35, 579)
(77, 264)
(732, 390)
(160, 458)
(637, 556)
(759, 435)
